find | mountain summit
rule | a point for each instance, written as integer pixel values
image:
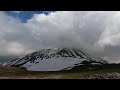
(54, 60)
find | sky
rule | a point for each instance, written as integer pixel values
(95, 32)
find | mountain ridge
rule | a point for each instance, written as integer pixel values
(54, 59)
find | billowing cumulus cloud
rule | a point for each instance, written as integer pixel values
(97, 32)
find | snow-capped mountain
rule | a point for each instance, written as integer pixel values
(54, 60)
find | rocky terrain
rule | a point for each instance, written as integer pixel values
(56, 59)
(104, 76)
(64, 63)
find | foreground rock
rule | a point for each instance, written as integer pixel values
(105, 76)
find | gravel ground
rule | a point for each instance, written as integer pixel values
(104, 76)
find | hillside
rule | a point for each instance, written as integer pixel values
(54, 60)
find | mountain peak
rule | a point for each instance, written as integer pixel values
(52, 59)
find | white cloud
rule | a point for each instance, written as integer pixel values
(12, 36)
(96, 31)
(16, 11)
(15, 48)
(111, 36)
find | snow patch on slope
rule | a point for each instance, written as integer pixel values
(52, 64)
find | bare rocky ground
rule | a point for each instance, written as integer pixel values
(18, 73)
(104, 76)
(62, 76)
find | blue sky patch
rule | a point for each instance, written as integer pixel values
(25, 15)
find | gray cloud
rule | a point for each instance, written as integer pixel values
(97, 32)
